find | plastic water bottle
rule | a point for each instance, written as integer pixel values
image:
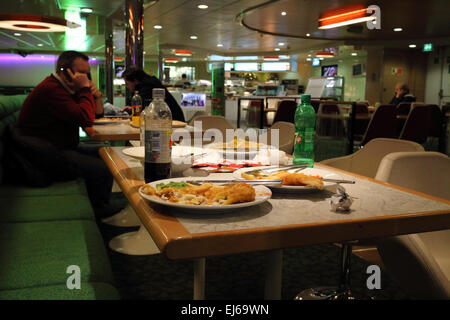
(136, 108)
(158, 133)
(305, 122)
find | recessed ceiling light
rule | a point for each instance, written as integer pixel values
(193, 37)
(40, 45)
(157, 26)
(202, 6)
(144, 52)
(220, 45)
(354, 54)
(308, 34)
(17, 34)
(283, 13)
(281, 43)
(412, 46)
(308, 59)
(86, 10)
(398, 29)
(309, 55)
(277, 49)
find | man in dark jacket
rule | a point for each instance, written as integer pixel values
(137, 80)
(402, 95)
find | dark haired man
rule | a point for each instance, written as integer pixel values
(137, 79)
(54, 111)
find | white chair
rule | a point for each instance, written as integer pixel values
(364, 162)
(420, 262)
(286, 136)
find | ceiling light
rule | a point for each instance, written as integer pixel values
(271, 58)
(40, 45)
(202, 6)
(157, 26)
(324, 54)
(194, 37)
(308, 59)
(277, 49)
(35, 23)
(281, 43)
(309, 55)
(412, 46)
(354, 54)
(220, 45)
(283, 13)
(86, 10)
(144, 52)
(398, 29)
(308, 34)
(171, 60)
(335, 20)
(17, 34)
(183, 53)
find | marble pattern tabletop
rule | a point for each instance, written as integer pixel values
(370, 200)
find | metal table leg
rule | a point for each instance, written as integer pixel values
(199, 278)
(274, 264)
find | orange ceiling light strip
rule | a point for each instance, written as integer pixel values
(171, 60)
(35, 23)
(345, 18)
(185, 53)
(324, 54)
(271, 58)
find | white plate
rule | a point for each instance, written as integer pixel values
(180, 160)
(240, 153)
(298, 189)
(109, 121)
(262, 195)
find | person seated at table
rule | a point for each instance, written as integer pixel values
(137, 79)
(402, 94)
(51, 116)
(183, 82)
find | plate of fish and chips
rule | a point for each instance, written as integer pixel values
(305, 180)
(204, 197)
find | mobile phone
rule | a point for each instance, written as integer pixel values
(64, 70)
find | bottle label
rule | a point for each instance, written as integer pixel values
(158, 146)
(305, 138)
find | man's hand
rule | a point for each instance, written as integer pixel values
(79, 80)
(95, 92)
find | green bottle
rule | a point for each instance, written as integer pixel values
(305, 122)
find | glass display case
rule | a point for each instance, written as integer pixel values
(326, 87)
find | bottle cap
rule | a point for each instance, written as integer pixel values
(158, 93)
(305, 98)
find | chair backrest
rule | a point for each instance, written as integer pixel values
(213, 122)
(366, 160)
(285, 134)
(329, 108)
(286, 111)
(327, 126)
(427, 172)
(403, 108)
(418, 125)
(382, 124)
(361, 107)
(315, 104)
(435, 125)
(424, 255)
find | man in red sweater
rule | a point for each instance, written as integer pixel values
(54, 111)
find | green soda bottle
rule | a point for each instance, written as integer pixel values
(305, 122)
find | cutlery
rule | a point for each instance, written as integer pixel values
(336, 180)
(252, 182)
(267, 171)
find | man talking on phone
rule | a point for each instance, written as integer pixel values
(54, 111)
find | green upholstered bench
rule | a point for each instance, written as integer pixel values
(45, 230)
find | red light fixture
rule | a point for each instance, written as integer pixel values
(35, 23)
(345, 17)
(271, 58)
(171, 60)
(324, 54)
(183, 53)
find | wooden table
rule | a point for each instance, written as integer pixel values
(379, 210)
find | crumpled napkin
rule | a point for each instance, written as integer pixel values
(341, 201)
